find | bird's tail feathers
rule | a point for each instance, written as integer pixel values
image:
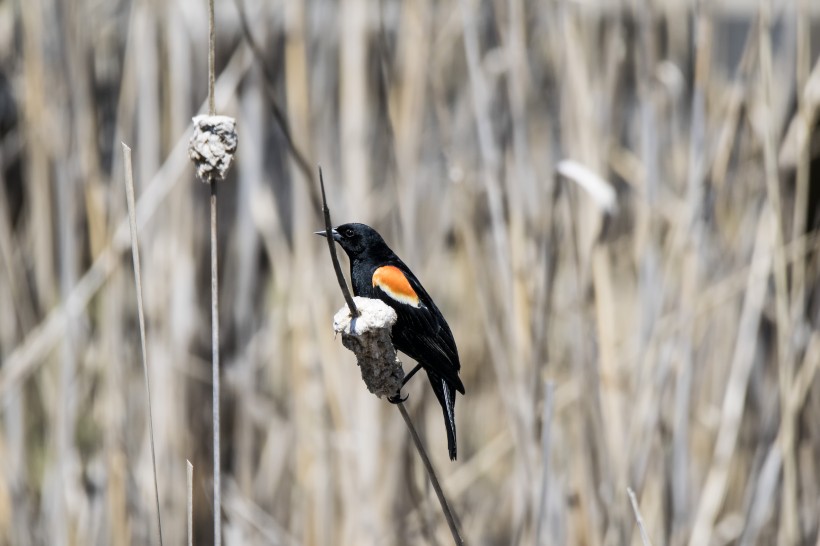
(446, 395)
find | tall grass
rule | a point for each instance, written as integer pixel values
(668, 346)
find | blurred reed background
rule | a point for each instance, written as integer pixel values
(653, 327)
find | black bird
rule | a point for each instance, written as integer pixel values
(420, 331)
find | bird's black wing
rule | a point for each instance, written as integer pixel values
(420, 331)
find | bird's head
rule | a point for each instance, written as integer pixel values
(355, 239)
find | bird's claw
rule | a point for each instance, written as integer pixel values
(397, 398)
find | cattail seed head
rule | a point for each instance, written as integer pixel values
(368, 336)
(212, 146)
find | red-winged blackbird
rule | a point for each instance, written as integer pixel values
(420, 331)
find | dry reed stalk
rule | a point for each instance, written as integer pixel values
(189, 475)
(242, 267)
(714, 488)
(789, 531)
(217, 513)
(735, 101)
(112, 334)
(354, 115)
(546, 445)
(801, 205)
(634, 502)
(16, 279)
(693, 248)
(215, 366)
(15, 318)
(790, 408)
(405, 99)
(135, 256)
(12, 514)
(36, 80)
(147, 86)
(65, 418)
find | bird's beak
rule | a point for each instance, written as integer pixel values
(333, 233)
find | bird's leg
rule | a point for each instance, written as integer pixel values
(395, 399)
(411, 374)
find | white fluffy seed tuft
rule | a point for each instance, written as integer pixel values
(212, 146)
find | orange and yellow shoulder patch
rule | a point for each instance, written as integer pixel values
(393, 283)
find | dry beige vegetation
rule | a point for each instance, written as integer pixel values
(648, 318)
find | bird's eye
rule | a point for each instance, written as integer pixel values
(349, 232)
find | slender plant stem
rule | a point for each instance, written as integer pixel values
(644, 537)
(214, 291)
(211, 59)
(332, 246)
(135, 255)
(215, 368)
(190, 501)
(546, 439)
(431, 473)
